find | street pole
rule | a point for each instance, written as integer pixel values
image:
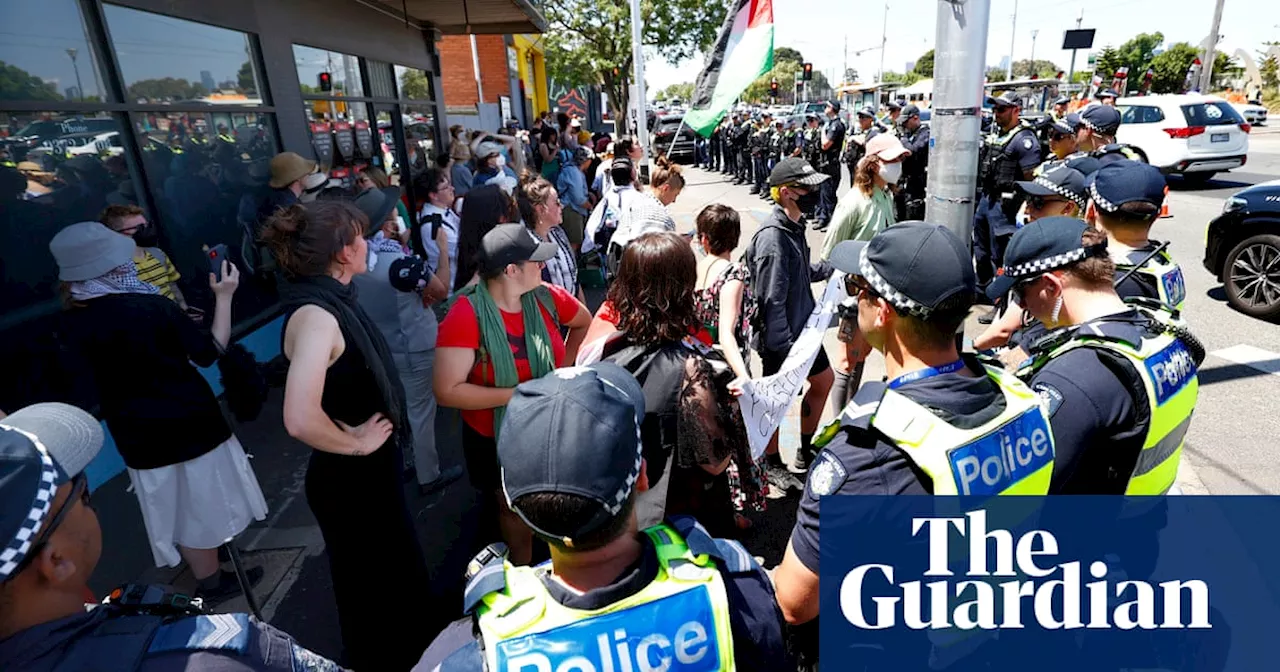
(1206, 70)
(475, 65)
(637, 57)
(1032, 69)
(1071, 73)
(72, 51)
(884, 38)
(957, 109)
(1013, 40)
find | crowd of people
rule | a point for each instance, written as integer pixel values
(611, 443)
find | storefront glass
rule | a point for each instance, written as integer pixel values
(343, 69)
(55, 62)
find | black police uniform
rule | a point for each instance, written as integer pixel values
(856, 146)
(993, 222)
(730, 165)
(829, 163)
(153, 630)
(753, 610)
(761, 144)
(910, 199)
(742, 137)
(714, 158)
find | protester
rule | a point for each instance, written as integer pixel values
(490, 341)
(459, 169)
(373, 177)
(548, 154)
(152, 264)
(666, 181)
(867, 208)
(723, 292)
(441, 224)
(189, 473)
(544, 223)
(344, 398)
(572, 188)
(287, 172)
(54, 543)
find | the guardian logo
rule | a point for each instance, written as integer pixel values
(1000, 459)
(674, 633)
(986, 602)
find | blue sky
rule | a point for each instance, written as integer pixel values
(817, 28)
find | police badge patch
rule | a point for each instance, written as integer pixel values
(826, 476)
(1050, 397)
(1028, 143)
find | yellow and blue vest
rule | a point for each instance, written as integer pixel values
(679, 621)
(1165, 273)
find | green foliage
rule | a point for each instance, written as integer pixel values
(1171, 67)
(924, 65)
(167, 88)
(414, 85)
(1024, 69)
(244, 78)
(996, 74)
(590, 42)
(1137, 54)
(682, 91)
(787, 54)
(18, 84)
(904, 78)
(1269, 70)
(787, 69)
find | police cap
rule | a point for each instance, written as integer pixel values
(1006, 99)
(866, 111)
(910, 111)
(1059, 180)
(1106, 93)
(1101, 119)
(915, 266)
(1063, 100)
(834, 105)
(1121, 182)
(893, 105)
(1042, 246)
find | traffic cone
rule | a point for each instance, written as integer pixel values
(1164, 206)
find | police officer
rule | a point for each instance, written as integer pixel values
(812, 140)
(572, 468)
(1096, 135)
(53, 542)
(909, 201)
(741, 138)
(713, 158)
(1061, 137)
(856, 146)
(727, 130)
(1117, 379)
(761, 142)
(1124, 202)
(1060, 106)
(829, 164)
(893, 113)
(1009, 153)
(914, 284)
(1106, 97)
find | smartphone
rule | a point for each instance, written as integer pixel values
(217, 254)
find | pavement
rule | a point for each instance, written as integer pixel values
(1231, 447)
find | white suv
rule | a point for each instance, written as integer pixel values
(1190, 134)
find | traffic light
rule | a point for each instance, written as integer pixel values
(808, 72)
(326, 82)
(773, 89)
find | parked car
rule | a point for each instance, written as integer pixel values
(1242, 248)
(1252, 112)
(666, 142)
(1193, 135)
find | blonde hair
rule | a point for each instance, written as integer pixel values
(864, 174)
(665, 172)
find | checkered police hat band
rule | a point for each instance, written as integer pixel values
(1103, 203)
(18, 547)
(1050, 263)
(888, 292)
(1061, 191)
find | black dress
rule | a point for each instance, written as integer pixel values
(380, 578)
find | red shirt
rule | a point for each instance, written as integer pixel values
(461, 329)
(609, 314)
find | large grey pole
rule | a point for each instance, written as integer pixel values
(956, 128)
(637, 57)
(1206, 70)
(1013, 40)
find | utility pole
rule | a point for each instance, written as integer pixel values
(846, 59)
(1012, 40)
(1071, 73)
(884, 38)
(957, 113)
(1206, 70)
(637, 57)
(1032, 72)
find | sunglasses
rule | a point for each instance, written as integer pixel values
(1054, 137)
(1039, 202)
(1018, 291)
(79, 491)
(856, 284)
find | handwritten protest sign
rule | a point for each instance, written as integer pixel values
(764, 401)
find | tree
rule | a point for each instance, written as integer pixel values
(681, 91)
(18, 84)
(995, 73)
(590, 42)
(905, 78)
(1170, 67)
(168, 88)
(246, 80)
(414, 85)
(850, 75)
(787, 67)
(1269, 70)
(1043, 69)
(924, 65)
(1136, 54)
(787, 54)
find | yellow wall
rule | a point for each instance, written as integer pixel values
(533, 71)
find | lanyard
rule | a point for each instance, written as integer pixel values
(925, 373)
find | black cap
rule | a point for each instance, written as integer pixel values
(910, 111)
(1087, 165)
(409, 274)
(794, 170)
(1058, 180)
(834, 104)
(1063, 100)
(512, 244)
(1126, 181)
(1101, 118)
(866, 111)
(376, 204)
(1006, 99)
(1042, 246)
(893, 105)
(573, 431)
(915, 266)
(1106, 93)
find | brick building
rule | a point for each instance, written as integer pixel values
(511, 66)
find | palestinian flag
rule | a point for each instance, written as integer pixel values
(743, 52)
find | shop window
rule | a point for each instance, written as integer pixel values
(343, 72)
(45, 54)
(343, 138)
(167, 60)
(420, 136)
(414, 84)
(207, 173)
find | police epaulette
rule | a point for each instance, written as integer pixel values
(484, 575)
(733, 557)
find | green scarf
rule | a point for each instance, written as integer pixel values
(495, 348)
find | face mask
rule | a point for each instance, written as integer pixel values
(891, 172)
(502, 161)
(146, 236)
(809, 200)
(400, 225)
(1021, 220)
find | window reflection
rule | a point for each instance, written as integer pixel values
(414, 84)
(420, 136)
(44, 53)
(344, 139)
(344, 70)
(166, 60)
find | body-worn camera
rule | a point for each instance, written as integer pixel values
(847, 311)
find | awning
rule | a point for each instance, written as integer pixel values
(459, 17)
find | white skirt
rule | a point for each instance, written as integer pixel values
(200, 503)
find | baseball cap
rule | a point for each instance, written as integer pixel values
(376, 204)
(1101, 118)
(487, 149)
(887, 147)
(834, 104)
(1058, 180)
(288, 167)
(574, 123)
(1062, 100)
(794, 170)
(88, 250)
(41, 447)
(1042, 246)
(866, 111)
(910, 111)
(893, 105)
(915, 266)
(512, 244)
(574, 431)
(1125, 181)
(1006, 99)
(1106, 93)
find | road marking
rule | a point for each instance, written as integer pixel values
(1255, 358)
